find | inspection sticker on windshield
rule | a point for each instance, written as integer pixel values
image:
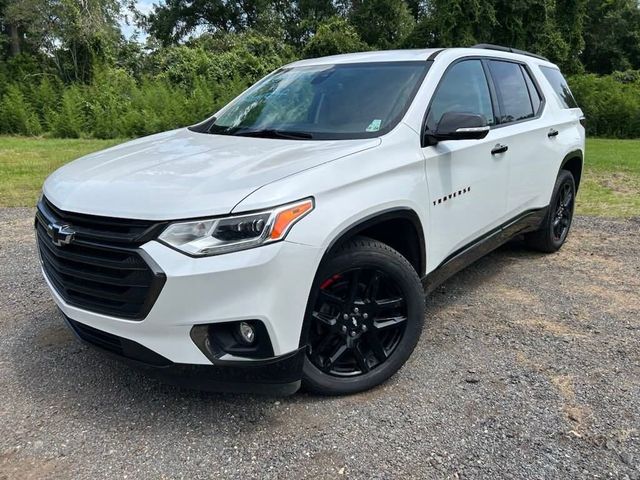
(374, 126)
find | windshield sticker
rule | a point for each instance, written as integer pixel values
(374, 126)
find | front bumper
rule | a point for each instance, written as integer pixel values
(269, 283)
(276, 376)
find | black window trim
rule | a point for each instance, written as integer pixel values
(527, 75)
(484, 59)
(493, 92)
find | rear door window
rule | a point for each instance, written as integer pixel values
(513, 93)
(560, 86)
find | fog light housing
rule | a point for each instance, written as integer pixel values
(247, 333)
(241, 338)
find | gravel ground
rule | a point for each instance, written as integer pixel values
(529, 367)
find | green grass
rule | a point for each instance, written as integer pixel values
(611, 181)
(610, 184)
(26, 162)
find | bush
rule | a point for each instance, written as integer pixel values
(45, 98)
(16, 114)
(182, 85)
(214, 58)
(70, 120)
(333, 37)
(611, 103)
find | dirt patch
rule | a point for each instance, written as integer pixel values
(54, 336)
(517, 295)
(17, 230)
(576, 413)
(542, 325)
(25, 467)
(619, 182)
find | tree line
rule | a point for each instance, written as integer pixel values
(66, 69)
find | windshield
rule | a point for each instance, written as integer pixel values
(324, 102)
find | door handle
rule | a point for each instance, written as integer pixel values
(553, 133)
(498, 149)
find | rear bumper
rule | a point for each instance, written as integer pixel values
(276, 376)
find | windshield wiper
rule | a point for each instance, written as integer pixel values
(275, 133)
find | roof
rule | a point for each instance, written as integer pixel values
(417, 55)
(364, 57)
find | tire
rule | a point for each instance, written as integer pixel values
(366, 313)
(556, 225)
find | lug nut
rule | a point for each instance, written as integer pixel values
(353, 334)
(344, 328)
(364, 328)
(365, 316)
(345, 316)
(356, 310)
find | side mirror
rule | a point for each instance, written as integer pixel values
(459, 126)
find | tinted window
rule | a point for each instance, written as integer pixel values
(513, 95)
(463, 89)
(536, 100)
(560, 86)
(324, 101)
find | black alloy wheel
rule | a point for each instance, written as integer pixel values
(554, 230)
(358, 321)
(563, 212)
(364, 318)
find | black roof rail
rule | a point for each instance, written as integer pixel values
(500, 48)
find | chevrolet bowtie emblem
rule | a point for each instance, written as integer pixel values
(60, 234)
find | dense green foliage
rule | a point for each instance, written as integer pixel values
(611, 103)
(66, 70)
(181, 85)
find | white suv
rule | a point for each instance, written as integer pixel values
(290, 238)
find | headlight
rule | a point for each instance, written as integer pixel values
(238, 232)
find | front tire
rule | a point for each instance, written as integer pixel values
(366, 313)
(556, 225)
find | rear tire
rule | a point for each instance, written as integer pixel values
(556, 225)
(367, 313)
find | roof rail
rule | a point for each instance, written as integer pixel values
(500, 48)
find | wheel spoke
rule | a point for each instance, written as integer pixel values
(390, 303)
(331, 299)
(376, 346)
(382, 323)
(323, 344)
(372, 288)
(557, 233)
(354, 283)
(361, 360)
(335, 355)
(324, 318)
(566, 201)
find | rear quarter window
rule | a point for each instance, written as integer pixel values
(560, 86)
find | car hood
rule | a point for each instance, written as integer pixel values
(184, 174)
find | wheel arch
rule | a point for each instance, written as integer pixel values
(400, 228)
(573, 162)
(408, 238)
